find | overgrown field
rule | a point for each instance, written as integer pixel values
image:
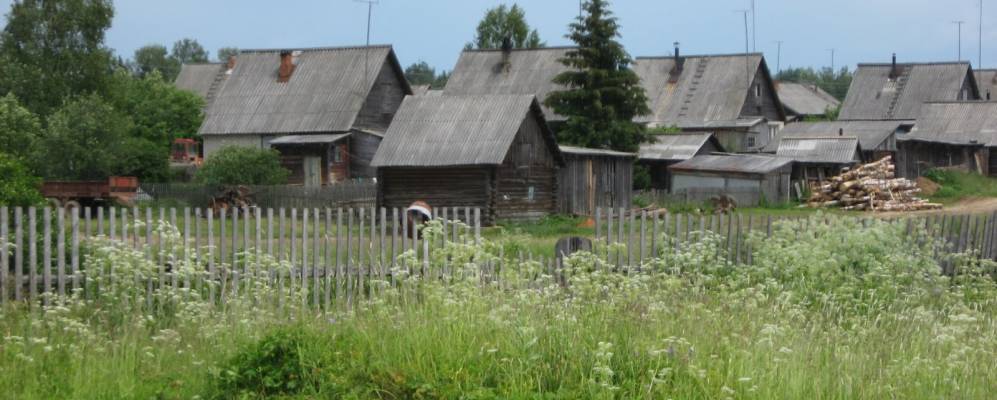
(843, 312)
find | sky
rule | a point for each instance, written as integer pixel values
(435, 31)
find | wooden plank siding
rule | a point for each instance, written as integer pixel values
(526, 186)
(588, 182)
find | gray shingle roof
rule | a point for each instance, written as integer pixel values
(737, 163)
(959, 123)
(325, 92)
(673, 146)
(525, 72)
(805, 99)
(310, 139)
(986, 79)
(199, 78)
(873, 95)
(831, 150)
(584, 151)
(432, 131)
(871, 134)
(709, 88)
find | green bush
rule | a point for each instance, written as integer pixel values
(275, 365)
(236, 165)
(17, 186)
(956, 185)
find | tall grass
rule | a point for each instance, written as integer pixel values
(841, 312)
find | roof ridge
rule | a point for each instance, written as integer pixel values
(908, 64)
(671, 57)
(323, 48)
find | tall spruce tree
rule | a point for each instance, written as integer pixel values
(603, 94)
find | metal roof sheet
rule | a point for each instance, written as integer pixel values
(957, 122)
(325, 93)
(873, 95)
(736, 163)
(520, 72)
(584, 151)
(831, 150)
(805, 99)
(709, 88)
(449, 130)
(871, 134)
(675, 146)
(199, 78)
(310, 139)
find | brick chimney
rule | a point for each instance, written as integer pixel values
(679, 65)
(894, 71)
(231, 63)
(286, 66)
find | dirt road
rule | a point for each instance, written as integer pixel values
(967, 206)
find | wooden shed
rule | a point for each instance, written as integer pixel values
(819, 158)
(593, 178)
(959, 135)
(749, 179)
(668, 149)
(325, 159)
(492, 152)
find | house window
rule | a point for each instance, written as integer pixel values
(337, 154)
(751, 141)
(531, 193)
(758, 90)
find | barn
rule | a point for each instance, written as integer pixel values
(668, 149)
(493, 152)
(749, 179)
(959, 135)
(731, 95)
(594, 178)
(324, 109)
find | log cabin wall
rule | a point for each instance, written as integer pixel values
(383, 101)
(914, 158)
(468, 186)
(526, 186)
(363, 145)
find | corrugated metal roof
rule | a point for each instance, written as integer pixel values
(986, 79)
(871, 134)
(831, 150)
(675, 146)
(873, 95)
(957, 122)
(583, 151)
(310, 139)
(199, 78)
(737, 163)
(805, 99)
(521, 72)
(709, 88)
(419, 90)
(325, 92)
(430, 131)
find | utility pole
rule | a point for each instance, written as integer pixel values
(959, 28)
(980, 60)
(754, 28)
(832, 59)
(366, 51)
(778, 56)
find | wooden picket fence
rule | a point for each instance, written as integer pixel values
(318, 244)
(344, 254)
(344, 195)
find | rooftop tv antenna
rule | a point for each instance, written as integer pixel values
(832, 50)
(754, 28)
(980, 65)
(366, 51)
(747, 61)
(778, 56)
(958, 25)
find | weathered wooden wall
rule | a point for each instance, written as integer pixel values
(526, 186)
(591, 181)
(383, 101)
(439, 187)
(363, 145)
(915, 158)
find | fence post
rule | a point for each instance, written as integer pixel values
(4, 262)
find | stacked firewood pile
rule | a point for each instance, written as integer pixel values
(870, 187)
(238, 197)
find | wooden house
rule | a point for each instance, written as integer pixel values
(748, 178)
(803, 101)
(594, 178)
(324, 109)
(509, 72)
(733, 96)
(820, 157)
(959, 135)
(878, 138)
(668, 149)
(896, 91)
(492, 152)
(986, 79)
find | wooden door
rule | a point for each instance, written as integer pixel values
(313, 171)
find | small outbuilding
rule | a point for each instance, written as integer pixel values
(958, 135)
(749, 179)
(594, 178)
(668, 149)
(878, 138)
(487, 151)
(818, 158)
